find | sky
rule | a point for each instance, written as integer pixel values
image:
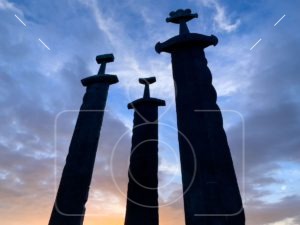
(47, 47)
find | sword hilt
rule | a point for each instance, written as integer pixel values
(181, 17)
(103, 60)
(147, 82)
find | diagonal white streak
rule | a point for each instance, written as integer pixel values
(255, 44)
(20, 20)
(44, 44)
(279, 20)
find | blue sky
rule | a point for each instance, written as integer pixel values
(258, 90)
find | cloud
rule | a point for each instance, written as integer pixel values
(288, 221)
(271, 108)
(286, 209)
(105, 23)
(222, 21)
(31, 102)
(36, 85)
(27, 158)
(131, 47)
(6, 5)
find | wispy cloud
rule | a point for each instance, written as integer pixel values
(131, 61)
(221, 18)
(106, 24)
(254, 82)
(6, 5)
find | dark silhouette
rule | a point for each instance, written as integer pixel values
(142, 195)
(212, 195)
(69, 208)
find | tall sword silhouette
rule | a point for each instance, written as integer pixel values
(72, 194)
(142, 195)
(212, 195)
